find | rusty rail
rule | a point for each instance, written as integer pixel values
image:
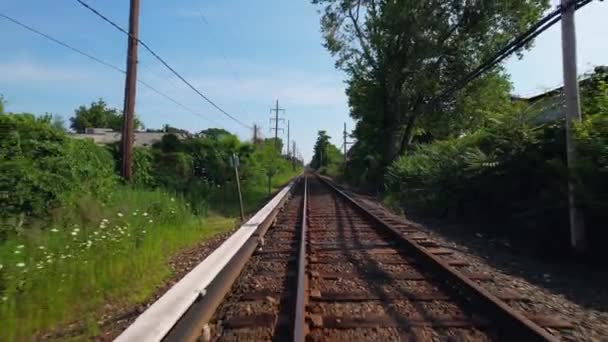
(196, 318)
(513, 324)
(300, 329)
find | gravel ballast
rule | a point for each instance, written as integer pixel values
(574, 292)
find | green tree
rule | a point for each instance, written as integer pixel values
(98, 115)
(214, 133)
(2, 104)
(400, 54)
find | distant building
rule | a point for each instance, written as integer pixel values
(108, 136)
(550, 105)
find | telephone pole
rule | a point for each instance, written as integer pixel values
(130, 90)
(573, 115)
(255, 134)
(346, 142)
(276, 120)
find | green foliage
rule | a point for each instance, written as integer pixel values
(98, 115)
(509, 173)
(327, 158)
(92, 253)
(73, 239)
(42, 168)
(401, 54)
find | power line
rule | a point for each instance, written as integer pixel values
(522, 39)
(160, 59)
(222, 52)
(65, 45)
(98, 60)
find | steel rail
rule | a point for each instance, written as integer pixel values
(515, 324)
(300, 329)
(197, 317)
(184, 311)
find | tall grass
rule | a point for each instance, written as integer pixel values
(93, 253)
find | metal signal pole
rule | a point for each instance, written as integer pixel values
(130, 91)
(573, 115)
(276, 120)
(288, 138)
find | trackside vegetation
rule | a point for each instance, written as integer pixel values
(74, 237)
(479, 154)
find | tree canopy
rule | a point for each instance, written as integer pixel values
(327, 157)
(400, 55)
(98, 115)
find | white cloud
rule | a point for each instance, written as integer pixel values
(33, 72)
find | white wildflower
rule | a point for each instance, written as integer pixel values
(105, 221)
(145, 214)
(151, 221)
(17, 252)
(39, 266)
(54, 230)
(20, 246)
(41, 248)
(95, 233)
(172, 199)
(74, 233)
(143, 231)
(76, 230)
(50, 261)
(20, 264)
(1, 266)
(4, 299)
(135, 213)
(119, 214)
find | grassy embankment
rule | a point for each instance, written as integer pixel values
(95, 253)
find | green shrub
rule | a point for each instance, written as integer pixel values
(43, 168)
(512, 174)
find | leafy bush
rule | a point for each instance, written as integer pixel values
(510, 173)
(43, 168)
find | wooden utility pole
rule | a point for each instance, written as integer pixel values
(255, 134)
(345, 135)
(130, 91)
(573, 115)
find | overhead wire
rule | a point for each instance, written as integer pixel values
(521, 40)
(160, 59)
(98, 60)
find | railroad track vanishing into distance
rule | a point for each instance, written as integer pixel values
(325, 268)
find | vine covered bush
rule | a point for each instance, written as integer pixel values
(513, 174)
(42, 168)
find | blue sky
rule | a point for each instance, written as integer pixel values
(244, 56)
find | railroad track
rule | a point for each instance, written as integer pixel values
(324, 268)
